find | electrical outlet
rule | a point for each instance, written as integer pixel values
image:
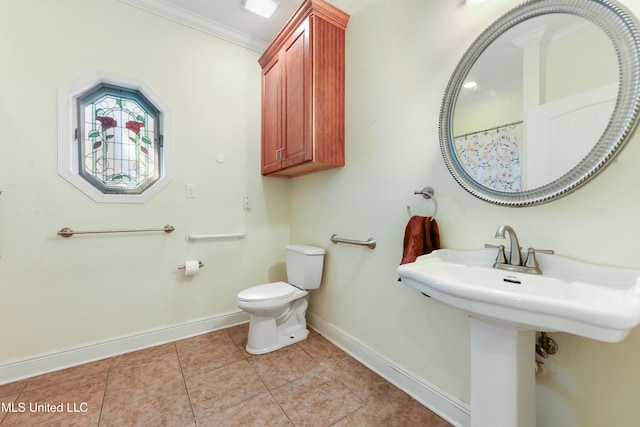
(191, 191)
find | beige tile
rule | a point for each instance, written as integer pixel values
(362, 381)
(318, 347)
(239, 334)
(223, 388)
(12, 388)
(211, 379)
(146, 387)
(309, 401)
(312, 332)
(75, 401)
(63, 375)
(259, 411)
(9, 403)
(62, 420)
(323, 370)
(399, 409)
(282, 366)
(133, 378)
(207, 352)
(363, 417)
(164, 406)
(144, 355)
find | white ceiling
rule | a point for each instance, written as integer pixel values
(226, 19)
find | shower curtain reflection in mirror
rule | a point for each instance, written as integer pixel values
(492, 156)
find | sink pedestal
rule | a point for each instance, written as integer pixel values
(502, 374)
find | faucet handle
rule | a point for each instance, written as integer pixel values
(531, 256)
(502, 257)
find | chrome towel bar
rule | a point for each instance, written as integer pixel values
(68, 232)
(192, 237)
(371, 243)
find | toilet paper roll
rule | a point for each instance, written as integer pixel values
(191, 268)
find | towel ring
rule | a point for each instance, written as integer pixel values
(427, 193)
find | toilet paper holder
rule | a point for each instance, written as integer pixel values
(200, 264)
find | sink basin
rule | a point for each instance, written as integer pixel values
(597, 302)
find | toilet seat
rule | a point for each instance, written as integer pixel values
(269, 292)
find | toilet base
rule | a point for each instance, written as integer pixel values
(267, 334)
(282, 341)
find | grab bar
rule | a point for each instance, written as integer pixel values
(68, 232)
(427, 193)
(191, 237)
(371, 242)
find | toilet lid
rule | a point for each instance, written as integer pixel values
(270, 291)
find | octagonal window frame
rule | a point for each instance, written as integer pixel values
(71, 154)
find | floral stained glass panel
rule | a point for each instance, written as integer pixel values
(119, 150)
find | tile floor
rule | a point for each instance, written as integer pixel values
(210, 380)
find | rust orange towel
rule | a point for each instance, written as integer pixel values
(421, 236)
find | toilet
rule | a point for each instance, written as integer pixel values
(277, 310)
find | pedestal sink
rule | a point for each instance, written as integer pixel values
(506, 309)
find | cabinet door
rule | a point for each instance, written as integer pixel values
(296, 63)
(271, 116)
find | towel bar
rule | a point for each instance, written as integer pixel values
(191, 237)
(427, 193)
(68, 232)
(371, 243)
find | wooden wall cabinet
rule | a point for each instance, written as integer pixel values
(303, 93)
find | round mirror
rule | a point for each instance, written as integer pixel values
(542, 100)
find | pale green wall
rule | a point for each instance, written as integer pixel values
(400, 54)
(579, 64)
(488, 113)
(57, 293)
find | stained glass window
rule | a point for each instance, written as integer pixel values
(120, 145)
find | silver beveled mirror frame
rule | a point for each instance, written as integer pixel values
(622, 29)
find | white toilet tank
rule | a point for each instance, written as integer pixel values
(304, 266)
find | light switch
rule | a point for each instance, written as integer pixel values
(191, 191)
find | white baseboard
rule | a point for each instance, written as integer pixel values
(439, 401)
(73, 356)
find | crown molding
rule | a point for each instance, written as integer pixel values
(200, 23)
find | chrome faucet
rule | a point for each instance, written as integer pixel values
(514, 255)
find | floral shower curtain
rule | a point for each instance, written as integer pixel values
(492, 156)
